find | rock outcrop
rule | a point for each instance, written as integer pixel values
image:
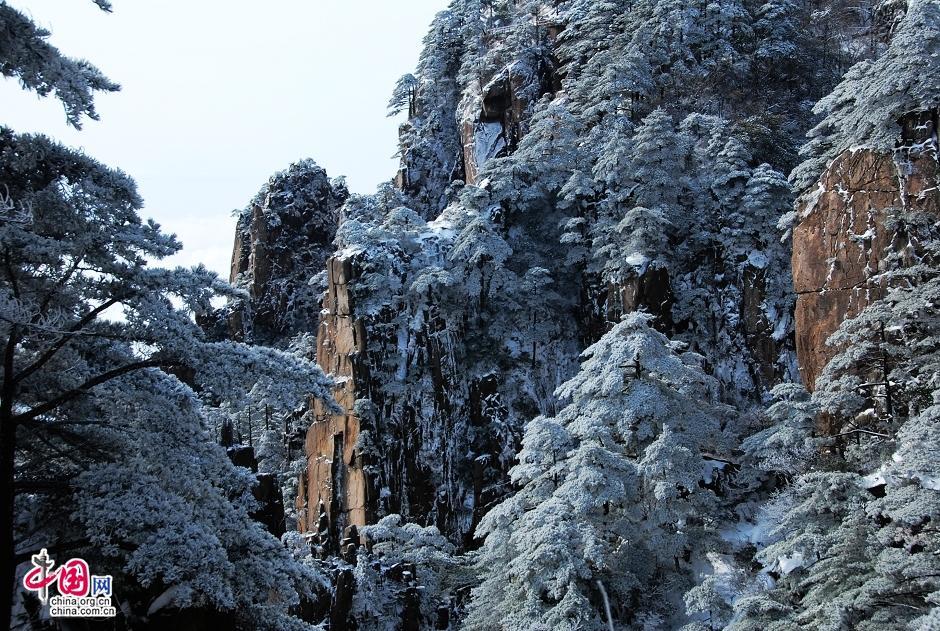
(416, 435)
(758, 330)
(493, 117)
(425, 453)
(842, 235)
(647, 291)
(285, 232)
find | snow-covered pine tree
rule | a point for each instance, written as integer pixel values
(863, 551)
(383, 591)
(654, 165)
(611, 501)
(866, 108)
(516, 216)
(26, 55)
(95, 350)
(404, 96)
(852, 551)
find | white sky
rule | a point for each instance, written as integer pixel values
(217, 95)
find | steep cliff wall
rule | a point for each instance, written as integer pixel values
(413, 438)
(843, 234)
(452, 310)
(428, 438)
(449, 394)
(334, 483)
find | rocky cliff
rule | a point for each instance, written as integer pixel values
(414, 435)
(334, 484)
(551, 183)
(428, 430)
(434, 404)
(839, 243)
(844, 233)
(284, 232)
(422, 441)
(493, 116)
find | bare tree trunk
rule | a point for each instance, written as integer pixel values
(8, 572)
(7, 494)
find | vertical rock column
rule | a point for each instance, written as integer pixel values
(334, 481)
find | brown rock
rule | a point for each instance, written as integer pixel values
(758, 331)
(471, 169)
(840, 240)
(649, 291)
(334, 473)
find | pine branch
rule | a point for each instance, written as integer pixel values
(83, 389)
(863, 431)
(67, 336)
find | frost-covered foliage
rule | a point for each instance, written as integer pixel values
(431, 154)
(673, 215)
(462, 320)
(382, 588)
(866, 108)
(412, 283)
(170, 514)
(614, 493)
(609, 156)
(27, 56)
(403, 96)
(855, 551)
(107, 384)
(852, 541)
(730, 274)
(565, 163)
(787, 446)
(591, 159)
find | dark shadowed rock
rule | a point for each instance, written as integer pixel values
(282, 240)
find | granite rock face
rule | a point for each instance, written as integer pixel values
(335, 483)
(842, 236)
(493, 116)
(426, 450)
(417, 435)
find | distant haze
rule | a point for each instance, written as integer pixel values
(218, 95)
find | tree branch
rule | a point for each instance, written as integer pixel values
(71, 439)
(44, 304)
(68, 335)
(65, 397)
(862, 431)
(9, 269)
